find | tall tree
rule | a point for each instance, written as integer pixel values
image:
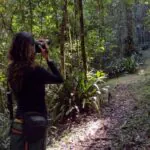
(84, 57)
(62, 39)
(129, 43)
(75, 18)
(100, 4)
(31, 15)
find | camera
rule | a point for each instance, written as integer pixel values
(41, 44)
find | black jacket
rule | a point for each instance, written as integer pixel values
(32, 96)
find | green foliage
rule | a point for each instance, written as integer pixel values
(2, 92)
(113, 63)
(115, 68)
(4, 132)
(77, 96)
(120, 66)
(129, 2)
(136, 130)
(130, 65)
(104, 24)
(93, 95)
(2, 77)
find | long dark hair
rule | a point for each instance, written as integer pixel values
(20, 55)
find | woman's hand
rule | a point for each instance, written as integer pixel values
(44, 51)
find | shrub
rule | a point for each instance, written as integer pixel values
(4, 131)
(130, 64)
(77, 96)
(123, 65)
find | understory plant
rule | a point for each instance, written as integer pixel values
(76, 96)
(4, 120)
(114, 64)
(130, 65)
(122, 65)
(4, 132)
(2, 92)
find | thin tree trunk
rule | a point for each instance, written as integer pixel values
(129, 20)
(55, 5)
(120, 24)
(84, 58)
(101, 18)
(22, 14)
(41, 23)
(6, 25)
(62, 39)
(31, 15)
(129, 47)
(76, 35)
(75, 16)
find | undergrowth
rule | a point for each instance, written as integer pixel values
(135, 133)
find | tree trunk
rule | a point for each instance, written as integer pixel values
(55, 5)
(31, 15)
(129, 43)
(84, 58)
(121, 30)
(62, 39)
(76, 31)
(75, 18)
(101, 31)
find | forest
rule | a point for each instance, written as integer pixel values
(102, 49)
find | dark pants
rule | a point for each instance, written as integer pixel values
(18, 142)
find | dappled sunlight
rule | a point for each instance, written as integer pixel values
(85, 132)
(141, 72)
(106, 131)
(84, 65)
(102, 132)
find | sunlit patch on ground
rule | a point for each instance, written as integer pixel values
(80, 134)
(141, 72)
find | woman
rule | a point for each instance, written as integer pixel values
(27, 82)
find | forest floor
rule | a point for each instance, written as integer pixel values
(124, 123)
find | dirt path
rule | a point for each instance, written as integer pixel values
(101, 133)
(116, 114)
(111, 130)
